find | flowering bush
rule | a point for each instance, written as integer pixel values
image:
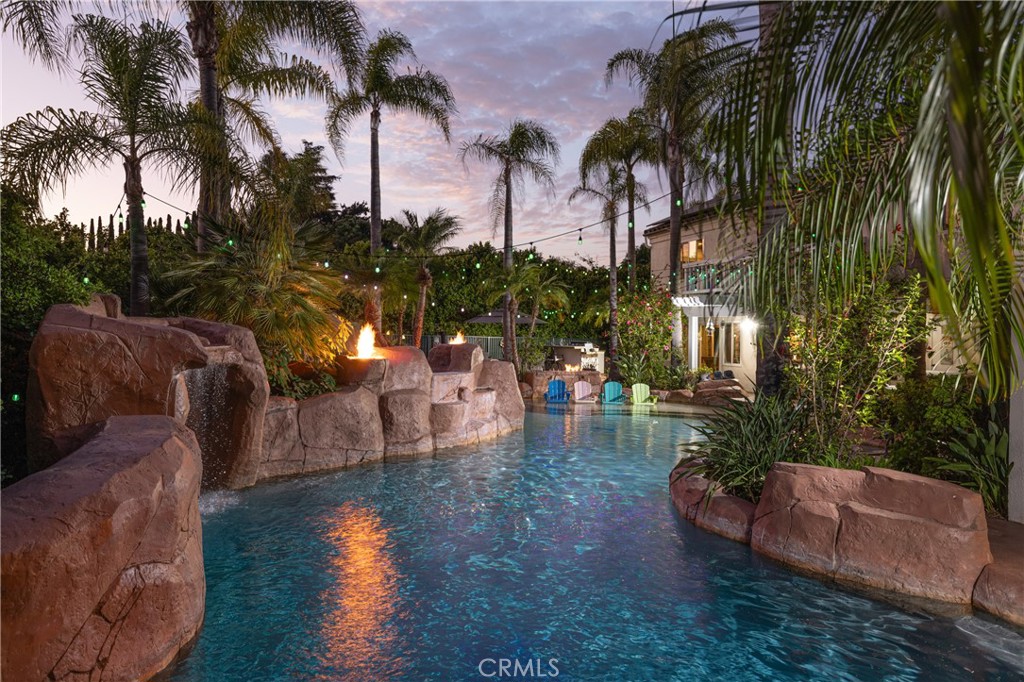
(645, 340)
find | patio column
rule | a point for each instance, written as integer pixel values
(693, 341)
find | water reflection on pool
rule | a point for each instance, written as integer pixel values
(558, 543)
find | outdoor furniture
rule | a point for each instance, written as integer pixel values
(556, 392)
(583, 392)
(642, 395)
(719, 376)
(611, 393)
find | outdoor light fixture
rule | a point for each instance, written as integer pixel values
(748, 325)
(327, 263)
(580, 240)
(710, 326)
(377, 270)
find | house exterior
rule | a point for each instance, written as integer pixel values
(713, 254)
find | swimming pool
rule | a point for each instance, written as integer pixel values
(555, 550)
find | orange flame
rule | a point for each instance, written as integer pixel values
(459, 338)
(364, 346)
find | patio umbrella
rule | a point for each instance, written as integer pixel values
(494, 317)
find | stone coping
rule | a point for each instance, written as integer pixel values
(910, 537)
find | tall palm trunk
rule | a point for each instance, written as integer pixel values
(508, 317)
(202, 32)
(675, 173)
(375, 238)
(536, 312)
(401, 323)
(138, 304)
(513, 354)
(613, 300)
(425, 281)
(631, 227)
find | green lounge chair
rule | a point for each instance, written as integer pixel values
(642, 395)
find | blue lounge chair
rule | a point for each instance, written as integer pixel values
(641, 395)
(611, 393)
(556, 392)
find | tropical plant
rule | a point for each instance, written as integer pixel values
(864, 118)
(979, 459)
(374, 86)
(742, 441)
(232, 42)
(132, 75)
(527, 149)
(513, 286)
(613, 189)
(682, 85)
(627, 143)
(549, 291)
(266, 273)
(423, 241)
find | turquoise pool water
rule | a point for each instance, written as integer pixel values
(558, 543)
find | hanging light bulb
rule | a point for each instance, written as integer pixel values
(327, 263)
(580, 240)
(377, 270)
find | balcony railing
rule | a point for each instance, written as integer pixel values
(709, 275)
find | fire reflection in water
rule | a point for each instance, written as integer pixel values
(359, 635)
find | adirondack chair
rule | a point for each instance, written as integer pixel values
(556, 392)
(642, 395)
(612, 393)
(583, 392)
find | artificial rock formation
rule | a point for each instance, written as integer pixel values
(102, 560)
(722, 514)
(876, 527)
(398, 404)
(331, 431)
(89, 363)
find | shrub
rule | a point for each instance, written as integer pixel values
(919, 418)
(744, 440)
(284, 382)
(979, 459)
(848, 349)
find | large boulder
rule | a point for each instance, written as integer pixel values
(327, 432)
(876, 527)
(407, 369)
(699, 501)
(89, 363)
(1000, 589)
(509, 408)
(455, 357)
(405, 415)
(102, 560)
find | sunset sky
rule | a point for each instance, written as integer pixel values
(539, 60)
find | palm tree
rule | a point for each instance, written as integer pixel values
(512, 286)
(629, 141)
(265, 273)
(132, 75)
(681, 85)
(527, 149)
(613, 190)
(215, 27)
(375, 85)
(924, 107)
(422, 241)
(550, 292)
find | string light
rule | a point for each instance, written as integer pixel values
(580, 240)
